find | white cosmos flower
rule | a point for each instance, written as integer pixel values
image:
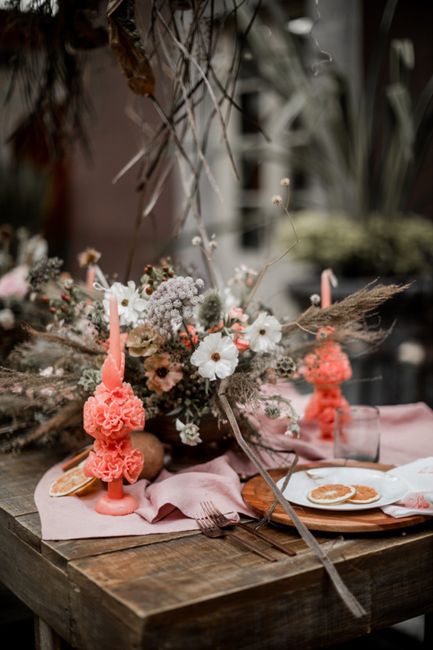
(131, 306)
(264, 333)
(216, 356)
(189, 433)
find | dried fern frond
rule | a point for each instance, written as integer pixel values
(62, 340)
(68, 416)
(345, 313)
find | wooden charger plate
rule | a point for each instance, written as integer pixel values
(259, 497)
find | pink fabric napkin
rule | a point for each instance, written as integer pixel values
(167, 505)
(406, 433)
(419, 498)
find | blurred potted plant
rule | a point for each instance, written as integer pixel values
(379, 245)
(366, 156)
(363, 150)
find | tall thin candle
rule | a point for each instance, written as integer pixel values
(327, 279)
(90, 278)
(115, 346)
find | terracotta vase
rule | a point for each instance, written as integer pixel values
(216, 440)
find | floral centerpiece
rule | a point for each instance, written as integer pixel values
(182, 342)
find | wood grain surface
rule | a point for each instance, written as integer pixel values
(186, 591)
(257, 494)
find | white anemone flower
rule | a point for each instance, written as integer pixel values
(132, 306)
(264, 333)
(189, 433)
(216, 357)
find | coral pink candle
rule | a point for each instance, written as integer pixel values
(110, 414)
(90, 278)
(115, 346)
(326, 279)
(326, 368)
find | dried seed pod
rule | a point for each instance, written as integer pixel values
(286, 367)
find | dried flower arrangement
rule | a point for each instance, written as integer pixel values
(181, 340)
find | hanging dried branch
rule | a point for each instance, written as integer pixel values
(183, 50)
(50, 83)
(347, 597)
(125, 41)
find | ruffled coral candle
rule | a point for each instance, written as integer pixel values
(326, 368)
(110, 414)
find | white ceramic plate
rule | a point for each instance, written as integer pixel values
(391, 488)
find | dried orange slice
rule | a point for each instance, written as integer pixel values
(73, 482)
(364, 494)
(331, 493)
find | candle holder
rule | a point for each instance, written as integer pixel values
(110, 414)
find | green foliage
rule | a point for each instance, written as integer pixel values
(363, 147)
(376, 245)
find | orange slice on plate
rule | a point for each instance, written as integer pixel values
(73, 482)
(364, 494)
(331, 493)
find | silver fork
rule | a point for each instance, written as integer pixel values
(221, 520)
(209, 528)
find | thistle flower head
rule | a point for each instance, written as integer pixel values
(315, 299)
(173, 302)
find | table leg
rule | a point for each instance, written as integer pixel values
(428, 629)
(45, 637)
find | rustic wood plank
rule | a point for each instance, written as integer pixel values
(27, 528)
(19, 476)
(63, 551)
(198, 593)
(35, 581)
(60, 553)
(191, 569)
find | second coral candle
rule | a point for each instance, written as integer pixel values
(326, 368)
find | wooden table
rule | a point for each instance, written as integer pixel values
(183, 590)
